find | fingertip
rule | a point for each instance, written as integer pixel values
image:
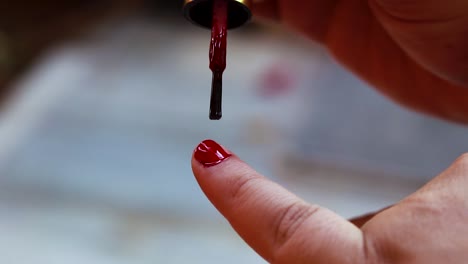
(209, 160)
(210, 153)
(217, 172)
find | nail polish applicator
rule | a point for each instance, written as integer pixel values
(219, 16)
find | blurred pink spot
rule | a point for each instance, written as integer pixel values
(276, 80)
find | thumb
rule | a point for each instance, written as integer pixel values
(433, 33)
(281, 227)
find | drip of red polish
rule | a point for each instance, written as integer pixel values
(218, 47)
(209, 153)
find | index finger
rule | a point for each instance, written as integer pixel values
(273, 221)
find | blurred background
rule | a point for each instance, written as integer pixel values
(104, 101)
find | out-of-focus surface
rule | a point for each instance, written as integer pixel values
(28, 28)
(95, 147)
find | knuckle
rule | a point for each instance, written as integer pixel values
(242, 185)
(291, 220)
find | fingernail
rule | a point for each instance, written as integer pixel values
(209, 153)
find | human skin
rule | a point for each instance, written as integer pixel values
(413, 51)
(429, 226)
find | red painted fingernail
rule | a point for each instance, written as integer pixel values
(209, 153)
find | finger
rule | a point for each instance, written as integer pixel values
(429, 224)
(278, 225)
(362, 44)
(430, 27)
(355, 37)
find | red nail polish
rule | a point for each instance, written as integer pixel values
(209, 153)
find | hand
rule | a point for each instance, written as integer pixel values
(414, 51)
(427, 227)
